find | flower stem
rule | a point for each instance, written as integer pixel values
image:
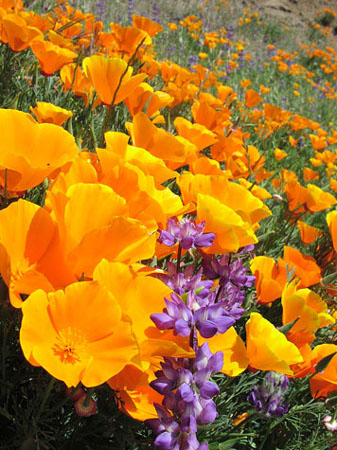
(106, 122)
(45, 398)
(178, 258)
(90, 393)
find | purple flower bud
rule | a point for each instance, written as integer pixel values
(268, 399)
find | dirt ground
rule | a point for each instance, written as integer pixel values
(289, 12)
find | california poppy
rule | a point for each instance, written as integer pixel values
(308, 233)
(268, 348)
(308, 308)
(51, 57)
(326, 380)
(111, 78)
(26, 232)
(21, 155)
(49, 113)
(196, 133)
(233, 348)
(143, 23)
(17, 33)
(77, 335)
(252, 98)
(74, 79)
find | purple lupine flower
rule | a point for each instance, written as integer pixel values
(185, 281)
(192, 60)
(171, 434)
(230, 33)
(130, 10)
(155, 13)
(233, 279)
(100, 9)
(208, 317)
(187, 233)
(268, 399)
(188, 397)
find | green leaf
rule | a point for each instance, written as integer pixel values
(228, 445)
(323, 363)
(288, 326)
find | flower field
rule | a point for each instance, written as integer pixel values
(168, 228)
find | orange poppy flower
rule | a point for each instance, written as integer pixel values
(93, 223)
(302, 369)
(207, 166)
(17, 33)
(9, 4)
(147, 25)
(196, 133)
(111, 78)
(257, 191)
(59, 40)
(318, 142)
(231, 232)
(245, 83)
(77, 335)
(252, 98)
(293, 142)
(310, 310)
(137, 397)
(21, 155)
(331, 219)
(74, 79)
(26, 232)
(309, 174)
(308, 233)
(144, 95)
(127, 39)
(264, 89)
(268, 348)
(159, 142)
(306, 268)
(49, 113)
(325, 381)
(138, 294)
(233, 195)
(51, 57)
(280, 154)
(296, 195)
(226, 94)
(118, 152)
(317, 199)
(211, 117)
(233, 349)
(270, 278)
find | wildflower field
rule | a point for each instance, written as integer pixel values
(168, 227)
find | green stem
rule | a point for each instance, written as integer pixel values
(109, 111)
(106, 123)
(45, 398)
(66, 399)
(90, 393)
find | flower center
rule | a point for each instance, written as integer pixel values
(70, 343)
